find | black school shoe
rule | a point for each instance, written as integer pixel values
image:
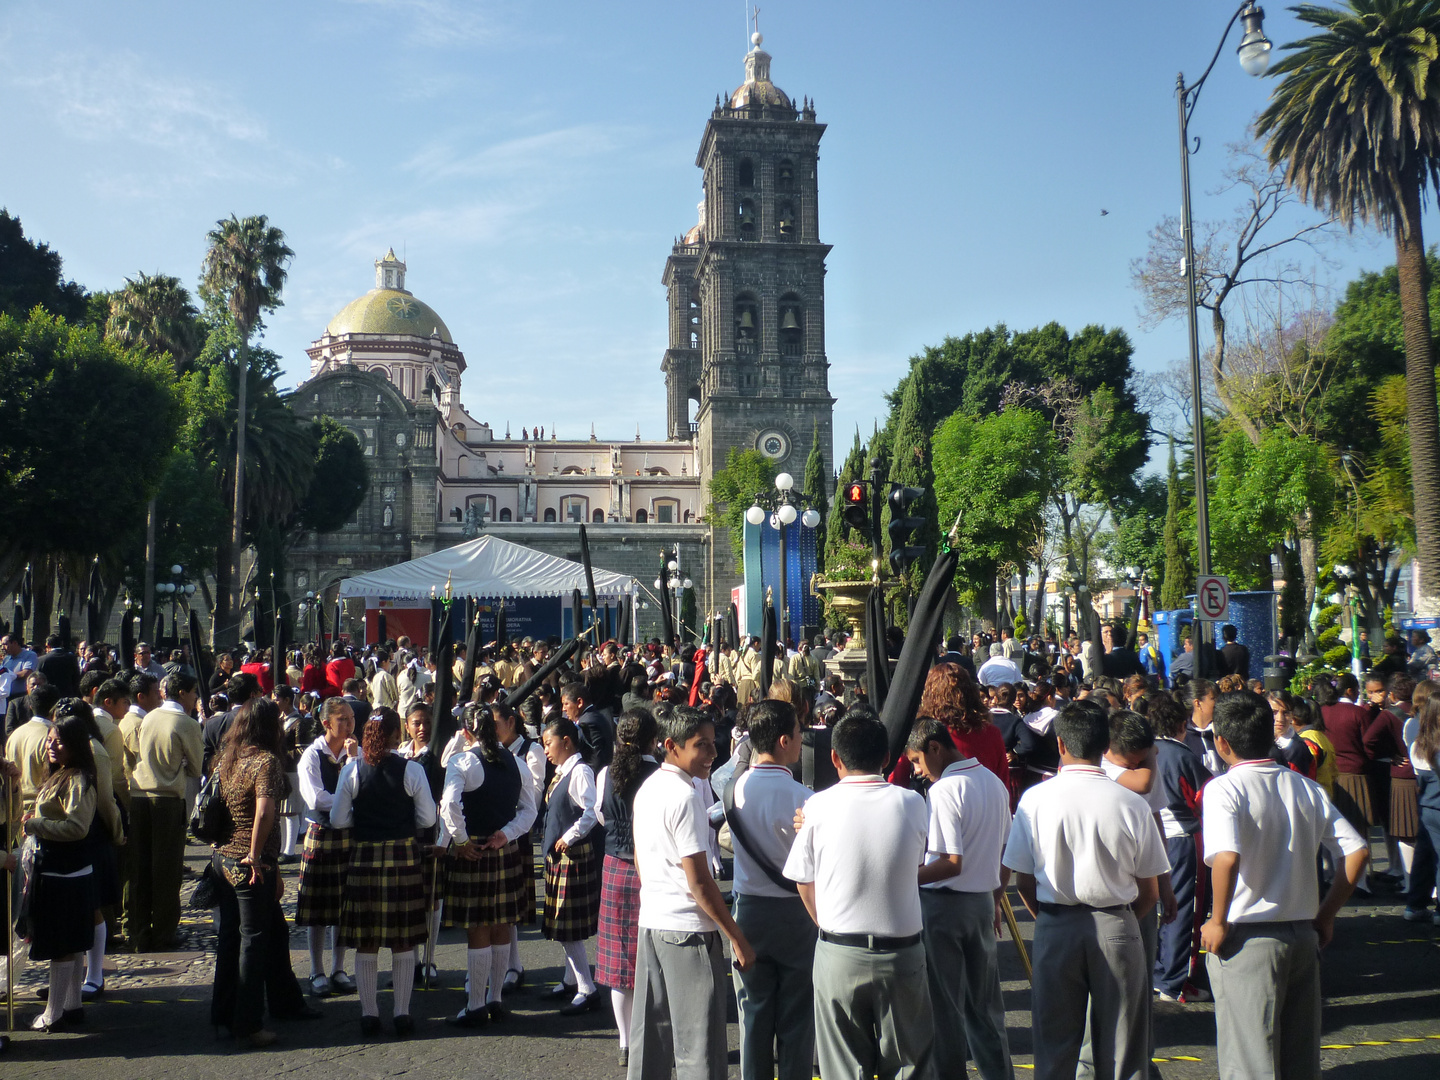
(370, 1027)
(590, 1003)
(562, 992)
(469, 1018)
(404, 1027)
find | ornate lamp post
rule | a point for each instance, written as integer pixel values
(782, 510)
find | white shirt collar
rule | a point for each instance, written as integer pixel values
(570, 763)
(1093, 770)
(958, 767)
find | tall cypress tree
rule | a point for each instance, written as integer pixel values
(1177, 568)
(817, 490)
(910, 466)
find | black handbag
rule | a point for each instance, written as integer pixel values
(210, 821)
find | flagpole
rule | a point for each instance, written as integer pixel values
(1015, 935)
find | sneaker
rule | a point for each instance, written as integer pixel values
(1416, 914)
(1172, 998)
(320, 986)
(340, 983)
(1190, 994)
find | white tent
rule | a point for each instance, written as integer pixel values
(485, 567)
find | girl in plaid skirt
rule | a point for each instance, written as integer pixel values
(488, 803)
(386, 799)
(636, 738)
(419, 724)
(510, 727)
(326, 854)
(574, 850)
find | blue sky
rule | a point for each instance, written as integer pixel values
(534, 162)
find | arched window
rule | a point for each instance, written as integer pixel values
(574, 508)
(747, 318)
(505, 514)
(746, 177)
(785, 221)
(461, 465)
(641, 517)
(459, 430)
(792, 326)
(549, 513)
(598, 517)
(785, 175)
(689, 516)
(747, 219)
(667, 511)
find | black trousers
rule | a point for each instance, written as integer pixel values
(252, 956)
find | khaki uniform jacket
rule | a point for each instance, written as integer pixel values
(168, 747)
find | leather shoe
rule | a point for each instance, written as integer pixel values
(258, 1040)
(73, 1016)
(469, 1018)
(497, 1014)
(369, 1027)
(561, 992)
(404, 1027)
(589, 1003)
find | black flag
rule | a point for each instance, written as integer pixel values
(918, 651)
(197, 656)
(768, 644)
(92, 605)
(127, 640)
(530, 685)
(444, 725)
(589, 570)
(472, 648)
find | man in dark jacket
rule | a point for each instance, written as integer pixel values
(1237, 656)
(60, 667)
(597, 736)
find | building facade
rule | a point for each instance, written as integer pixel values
(745, 368)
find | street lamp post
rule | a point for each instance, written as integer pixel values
(1254, 56)
(784, 511)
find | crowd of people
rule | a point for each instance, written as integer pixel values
(1171, 836)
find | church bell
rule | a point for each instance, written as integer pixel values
(747, 322)
(788, 322)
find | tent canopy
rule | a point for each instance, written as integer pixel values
(485, 567)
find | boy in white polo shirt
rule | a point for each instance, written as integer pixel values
(680, 987)
(960, 889)
(1086, 854)
(856, 859)
(1264, 825)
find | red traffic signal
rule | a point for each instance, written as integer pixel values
(855, 494)
(857, 506)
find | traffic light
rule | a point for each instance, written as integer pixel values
(903, 526)
(857, 507)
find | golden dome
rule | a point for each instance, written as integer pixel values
(392, 312)
(757, 89)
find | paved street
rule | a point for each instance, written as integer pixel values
(1382, 1019)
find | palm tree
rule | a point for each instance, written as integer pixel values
(1356, 121)
(154, 312)
(245, 269)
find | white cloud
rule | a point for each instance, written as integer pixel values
(436, 23)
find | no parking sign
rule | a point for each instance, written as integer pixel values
(1212, 598)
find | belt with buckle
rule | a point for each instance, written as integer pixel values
(870, 941)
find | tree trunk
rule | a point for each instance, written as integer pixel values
(146, 616)
(1037, 624)
(1310, 570)
(237, 526)
(224, 626)
(1421, 413)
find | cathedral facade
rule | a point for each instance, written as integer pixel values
(745, 369)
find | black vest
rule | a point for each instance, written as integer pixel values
(619, 816)
(491, 806)
(329, 780)
(560, 811)
(383, 811)
(429, 760)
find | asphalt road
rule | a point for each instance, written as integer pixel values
(1382, 1020)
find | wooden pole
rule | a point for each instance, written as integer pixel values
(1015, 935)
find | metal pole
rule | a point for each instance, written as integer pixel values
(784, 592)
(1202, 498)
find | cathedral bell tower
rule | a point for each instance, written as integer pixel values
(746, 286)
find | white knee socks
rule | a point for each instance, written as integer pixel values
(579, 965)
(514, 962)
(499, 960)
(402, 979)
(338, 953)
(622, 1001)
(72, 985)
(95, 958)
(478, 963)
(316, 937)
(367, 979)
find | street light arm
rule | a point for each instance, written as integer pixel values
(1192, 93)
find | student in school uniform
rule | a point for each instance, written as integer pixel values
(487, 805)
(530, 752)
(776, 1003)
(386, 799)
(574, 847)
(960, 889)
(419, 725)
(1179, 777)
(637, 738)
(1264, 825)
(872, 1003)
(1087, 854)
(679, 1016)
(326, 854)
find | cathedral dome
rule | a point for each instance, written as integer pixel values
(389, 308)
(757, 88)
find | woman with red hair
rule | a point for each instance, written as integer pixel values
(952, 697)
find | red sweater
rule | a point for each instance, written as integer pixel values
(312, 680)
(1346, 725)
(984, 744)
(337, 673)
(1385, 738)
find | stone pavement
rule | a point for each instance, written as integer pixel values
(1381, 983)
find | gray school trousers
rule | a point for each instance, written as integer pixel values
(1089, 960)
(776, 998)
(872, 1013)
(1150, 936)
(678, 1017)
(1266, 981)
(964, 976)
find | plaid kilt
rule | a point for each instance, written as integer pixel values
(619, 924)
(525, 875)
(572, 890)
(323, 862)
(485, 892)
(433, 867)
(384, 899)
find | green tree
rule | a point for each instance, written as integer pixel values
(910, 466)
(154, 312)
(733, 490)
(244, 269)
(1178, 570)
(817, 489)
(341, 480)
(1356, 120)
(32, 274)
(996, 474)
(85, 428)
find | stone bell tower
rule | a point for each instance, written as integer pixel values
(746, 286)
